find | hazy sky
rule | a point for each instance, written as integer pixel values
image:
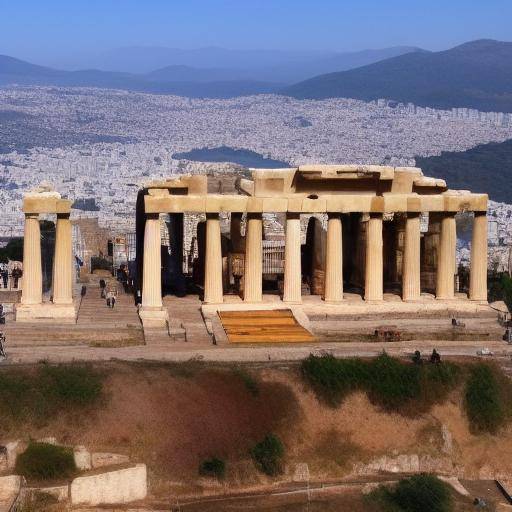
(45, 30)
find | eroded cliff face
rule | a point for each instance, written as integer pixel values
(172, 418)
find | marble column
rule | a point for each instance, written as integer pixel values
(292, 265)
(478, 271)
(374, 278)
(253, 275)
(63, 262)
(152, 271)
(32, 292)
(213, 292)
(333, 290)
(411, 287)
(445, 287)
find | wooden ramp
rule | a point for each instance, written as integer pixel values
(265, 326)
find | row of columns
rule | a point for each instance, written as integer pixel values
(334, 259)
(62, 285)
(213, 290)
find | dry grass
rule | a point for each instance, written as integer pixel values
(173, 416)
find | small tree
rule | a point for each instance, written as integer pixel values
(268, 455)
(213, 467)
(419, 493)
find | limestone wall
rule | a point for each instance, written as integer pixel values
(113, 487)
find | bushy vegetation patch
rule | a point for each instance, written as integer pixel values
(488, 399)
(36, 395)
(213, 467)
(43, 461)
(333, 379)
(419, 493)
(390, 383)
(268, 455)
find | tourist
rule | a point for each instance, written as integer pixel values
(435, 358)
(16, 274)
(4, 272)
(102, 288)
(111, 297)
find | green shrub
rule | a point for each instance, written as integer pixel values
(437, 381)
(389, 382)
(213, 467)
(392, 383)
(419, 493)
(43, 461)
(485, 400)
(268, 455)
(333, 379)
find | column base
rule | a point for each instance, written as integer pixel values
(46, 312)
(334, 302)
(446, 298)
(153, 318)
(292, 302)
(374, 301)
(479, 301)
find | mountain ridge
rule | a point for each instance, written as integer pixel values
(476, 74)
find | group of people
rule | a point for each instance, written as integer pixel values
(16, 274)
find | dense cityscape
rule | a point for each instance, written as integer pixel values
(97, 146)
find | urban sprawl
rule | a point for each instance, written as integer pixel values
(97, 147)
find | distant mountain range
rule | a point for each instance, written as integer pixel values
(277, 66)
(210, 72)
(477, 75)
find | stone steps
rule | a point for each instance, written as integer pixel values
(96, 325)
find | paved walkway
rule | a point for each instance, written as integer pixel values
(296, 352)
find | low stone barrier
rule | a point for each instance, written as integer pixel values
(110, 488)
(10, 488)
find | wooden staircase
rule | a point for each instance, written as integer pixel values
(267, 326)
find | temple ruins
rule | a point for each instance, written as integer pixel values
(334, 239)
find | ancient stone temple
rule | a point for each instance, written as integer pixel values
(61, 307)
(372, 233)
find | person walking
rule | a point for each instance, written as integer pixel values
(103, 285)
(111, 298)
(4, 272)
(16, 274)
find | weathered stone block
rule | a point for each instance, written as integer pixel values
(112, 487)
(102, 459)
(82, 458)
